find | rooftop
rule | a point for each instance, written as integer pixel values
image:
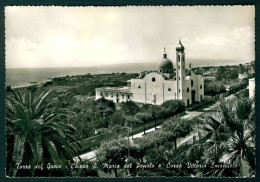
(123, 89)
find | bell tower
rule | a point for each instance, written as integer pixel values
(180, 69)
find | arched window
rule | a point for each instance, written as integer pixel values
(139, 86)
(123, 96)
(166, 71)
(179, 58)
(188, 90)
(200, 86)
(160, 70)
(101, 94)
(106, 94)
(179, 90)
(191, 83)
(179, 78)
(169, 89)
(153, 79)
(116, 95)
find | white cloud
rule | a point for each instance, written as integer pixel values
(237, 44)
(85, 36)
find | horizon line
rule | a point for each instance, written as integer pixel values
(124, 63)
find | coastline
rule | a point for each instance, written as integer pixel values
(25, 75)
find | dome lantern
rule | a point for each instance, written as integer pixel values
(164, 54)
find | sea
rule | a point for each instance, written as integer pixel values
(22, 77)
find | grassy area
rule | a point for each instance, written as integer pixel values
(59, 88)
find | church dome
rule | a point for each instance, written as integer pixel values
(180, 47)
(165, 66)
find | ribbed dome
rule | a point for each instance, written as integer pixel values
(165, 66)
(180, 47)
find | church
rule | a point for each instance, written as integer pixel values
(166, 83)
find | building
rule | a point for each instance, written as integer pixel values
(251, 87)
(166, 83)
(247, 70)
(251, 68)
(242, 76)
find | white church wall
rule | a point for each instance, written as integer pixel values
(153, 92)
(154, 88)
(138, 90)
(187, 94)
(194, 77)
(170, 90)
(201, 87)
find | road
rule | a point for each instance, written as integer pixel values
(189, 115)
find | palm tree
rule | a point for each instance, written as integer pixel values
(231, 137)
(34, 136)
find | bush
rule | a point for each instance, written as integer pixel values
(214, 88)
(173, 107)
(238, 86)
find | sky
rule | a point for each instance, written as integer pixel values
(89, 36)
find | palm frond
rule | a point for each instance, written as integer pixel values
(19, 142)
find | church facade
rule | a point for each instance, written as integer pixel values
(167, 83)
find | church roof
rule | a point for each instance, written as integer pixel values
(165, 66)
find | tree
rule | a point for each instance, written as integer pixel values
(131, 121)
(114, 153)
(178, 128)
(158, 137)
(214, 88)
(225, 73)
(104, 108)
(230, 137)
(143, 117)
(84, 117)
(34, 137)
(116, 119)
(173, 107)
(156, 113)
(129, 108)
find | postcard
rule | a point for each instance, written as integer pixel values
(130, 92)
